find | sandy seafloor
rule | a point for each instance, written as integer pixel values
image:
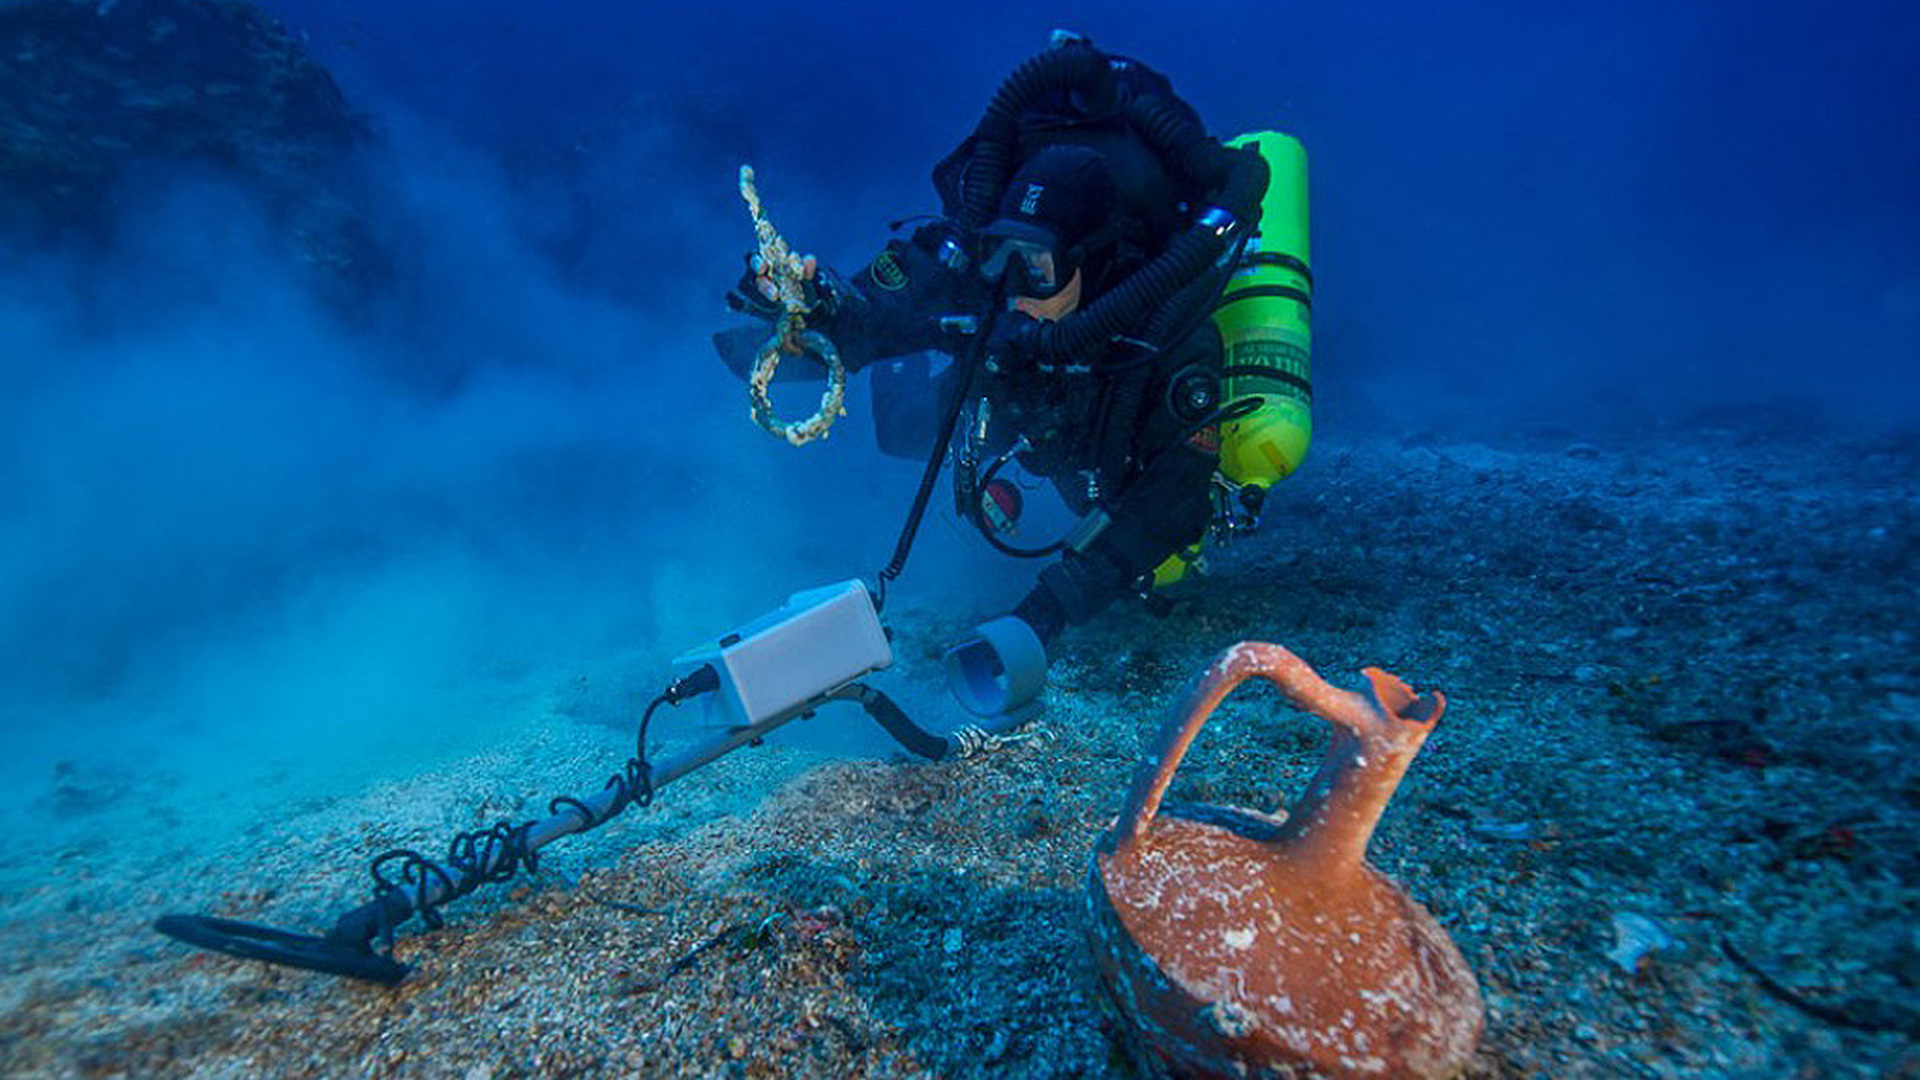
(1685, 694)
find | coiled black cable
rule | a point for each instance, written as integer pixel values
(479, 856)
(632, 786)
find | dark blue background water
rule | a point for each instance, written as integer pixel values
(240, 523)
(1710, 198)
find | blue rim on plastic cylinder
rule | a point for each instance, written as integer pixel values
(1001, 668)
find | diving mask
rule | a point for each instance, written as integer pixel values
(1028, 267)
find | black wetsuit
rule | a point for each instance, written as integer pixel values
(1108, 442)
(1101, 422)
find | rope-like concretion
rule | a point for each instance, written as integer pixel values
(786, 339)
(790, 336)
(970, 741)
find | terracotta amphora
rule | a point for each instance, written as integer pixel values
(1234, 943)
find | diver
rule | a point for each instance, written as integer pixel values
(1088, 228)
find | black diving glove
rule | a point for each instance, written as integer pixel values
(1014, 348)
(748, 295)
(756, 294)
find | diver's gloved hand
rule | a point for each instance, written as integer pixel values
(1014, 348)
(1042, 611)
(757, 294)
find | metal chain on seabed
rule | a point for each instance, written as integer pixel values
(779, 262)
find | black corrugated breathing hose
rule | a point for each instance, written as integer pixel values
(1075, 66)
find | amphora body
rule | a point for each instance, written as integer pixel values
(1235, 944)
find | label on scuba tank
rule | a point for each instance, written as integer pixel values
(1279, 363)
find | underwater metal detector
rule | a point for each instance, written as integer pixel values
(810, 652)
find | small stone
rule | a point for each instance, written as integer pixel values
(1634, 936)
(1229, 1019)
(997, 1046)
(1503, 830)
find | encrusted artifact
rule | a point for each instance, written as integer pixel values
(790, 335)
(1235, 943)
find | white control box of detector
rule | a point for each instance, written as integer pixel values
(819, 640)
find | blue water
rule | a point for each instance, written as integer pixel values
(267, 551)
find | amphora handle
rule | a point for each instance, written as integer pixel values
(1390, 718)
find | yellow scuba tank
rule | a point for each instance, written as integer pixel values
(1264, 316)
